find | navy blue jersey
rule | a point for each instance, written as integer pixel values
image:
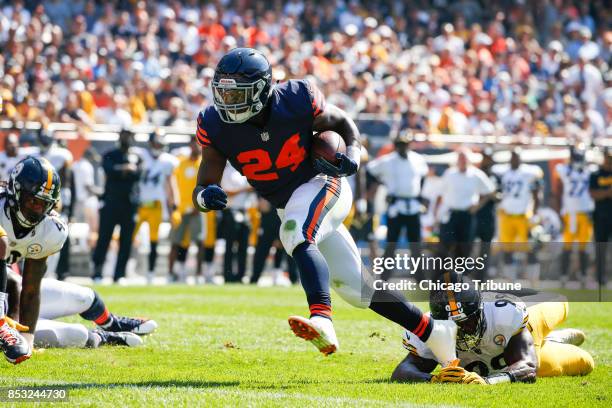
(276, 158)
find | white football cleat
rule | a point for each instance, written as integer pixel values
(317, 330)
(442, 341)
(567, 336)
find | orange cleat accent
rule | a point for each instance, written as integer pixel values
(304, 329)
(301, 329)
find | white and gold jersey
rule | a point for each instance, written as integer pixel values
(517, 186)
(43, 240)
(6, 165)
(154, 176)
(505, 316)
(576, 197)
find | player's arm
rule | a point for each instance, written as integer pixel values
(558, 195)
(414, 369)
(29, 302)
(335, 119)
(535, 191)
(598, 193)
(13, 289)
(172, 192)
(207, 194)
(521, 358)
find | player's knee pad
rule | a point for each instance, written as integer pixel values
(181, 254)
(291, 235)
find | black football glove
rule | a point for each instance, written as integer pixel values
(214, 198)
(346, 166)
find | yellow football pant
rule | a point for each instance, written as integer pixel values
(514, 232)
(211, 229)
(555, 359)
(152, 215)
(577, 228)
(2, 232)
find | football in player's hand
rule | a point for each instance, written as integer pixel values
(326, 144)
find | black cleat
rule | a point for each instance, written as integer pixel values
(118, 338)
(130, 324)
(15, 348)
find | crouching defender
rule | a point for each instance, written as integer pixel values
(62, 299)
(499, 340)
(266, 132)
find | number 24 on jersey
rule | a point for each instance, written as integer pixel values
(258, 163)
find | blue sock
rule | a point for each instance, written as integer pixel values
(314, 275)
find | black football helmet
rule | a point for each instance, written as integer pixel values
(465, 308)
(33, 191)
(242, 84)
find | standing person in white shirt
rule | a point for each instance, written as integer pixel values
(234, 223)
(61, 159)
(465, 189)
(86, 203)
(10, 156)
(158, 193)
(576, 205)
(521, 184)
(402, 172)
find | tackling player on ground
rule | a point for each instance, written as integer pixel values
(499, 340)
(266, 133)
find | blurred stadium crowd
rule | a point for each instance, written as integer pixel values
(465, 67)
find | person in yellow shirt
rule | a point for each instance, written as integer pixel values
(187, 221)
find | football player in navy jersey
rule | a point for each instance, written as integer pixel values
(266, 133)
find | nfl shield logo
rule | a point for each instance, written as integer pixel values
(265, 136)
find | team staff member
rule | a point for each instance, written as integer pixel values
(465, 189)
(61, 159)
(576, 207)
(123, 168)
(600, 187)
(402, 172)
(485, 217)
(235, 223)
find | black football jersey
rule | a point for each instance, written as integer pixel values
(276, 158)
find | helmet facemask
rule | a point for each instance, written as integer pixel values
(471, 328)
(237, 102)
(32, 209)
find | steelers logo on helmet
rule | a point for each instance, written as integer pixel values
(241, 85)
(33, 191)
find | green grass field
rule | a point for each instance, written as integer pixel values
(231, 346)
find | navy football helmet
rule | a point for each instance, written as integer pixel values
(33, 191)
(466, 309)
(242, 84)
